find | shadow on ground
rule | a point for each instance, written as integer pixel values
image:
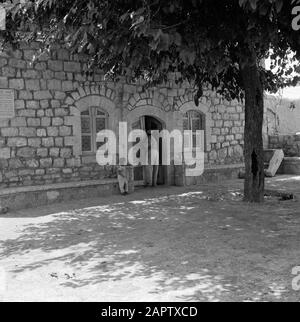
(163, 245)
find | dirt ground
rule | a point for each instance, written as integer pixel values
(166, 244)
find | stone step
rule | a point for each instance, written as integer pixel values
(291, 165)
(34, 196)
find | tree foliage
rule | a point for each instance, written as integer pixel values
(207, 41)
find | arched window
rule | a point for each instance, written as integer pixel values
(194, 121)
(93, 120)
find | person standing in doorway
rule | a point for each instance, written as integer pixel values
(123, 177)
(151, 170)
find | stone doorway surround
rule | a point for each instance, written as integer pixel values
(164, 118)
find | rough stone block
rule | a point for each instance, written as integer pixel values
(54, 84)
(42, 152)
(26, 152)
(46, 163)
(67, 86)
(76, 96)
(59, 163)
(32, 104)
(32, 163)
(40, 113)
(33, 122)
(65, 131)
(26, 113)
(52, 131)
(15, 163)
(47, 142)
(45, 121)
(9, 71)
(3, 82)
(55, 103)
(67, 171)
(16, 142)
(34, 142)
(59, 142)
(40, 172)
(69, 101)
(57, 121)
(72, 67)
(65, 153)
(41, 66)
(60, 75)
(31, 73)
(9, 132)
(32, 84)
(59, 95)
(16, 83)
(41, 132)
(61, 112)
(55, 65)
(25, 95)
(18, 121)
(27, 131)
(42, 95)
(45, 104)
(4, 153)
(17, 63)
(54, 152)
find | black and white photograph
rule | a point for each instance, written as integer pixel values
(149, 154)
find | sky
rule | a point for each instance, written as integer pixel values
(292, 93)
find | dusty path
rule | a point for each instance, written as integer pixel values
(176, 244)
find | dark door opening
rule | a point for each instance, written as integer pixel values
(148, 124)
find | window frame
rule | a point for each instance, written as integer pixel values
(93, 116)
(190, 117)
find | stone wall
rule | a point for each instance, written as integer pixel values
(42, 143)
(227, 132)
(289, 143)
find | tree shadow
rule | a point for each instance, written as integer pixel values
(178, 246)
(137, 240)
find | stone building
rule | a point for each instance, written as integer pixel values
(282, 128)
(282, 123)
(282, 115)
(50, 112)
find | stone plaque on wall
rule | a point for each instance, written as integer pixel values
(2, 18)
(7, 103)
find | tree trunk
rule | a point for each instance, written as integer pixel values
(253, 150)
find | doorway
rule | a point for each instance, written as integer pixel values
(148, 124)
